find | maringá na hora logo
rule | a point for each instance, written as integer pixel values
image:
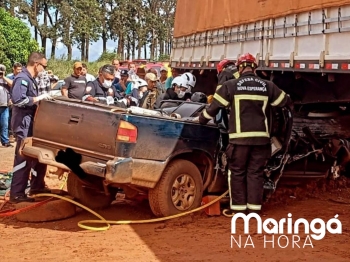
(287, 231)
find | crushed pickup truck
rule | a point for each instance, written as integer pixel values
(167, 156)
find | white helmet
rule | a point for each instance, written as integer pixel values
(191, 80)
(179, 81)
(140, 83)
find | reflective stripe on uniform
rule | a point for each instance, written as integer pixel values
(34, 173)
(279, 99)
(238, 207)
(240, 134)
(206, 115)
(253, 207)
(236, 75)
(218, 87)
(19, 166)
(248, 134)
(221, 100)
(234, 207)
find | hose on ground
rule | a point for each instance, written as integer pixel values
(83, 224)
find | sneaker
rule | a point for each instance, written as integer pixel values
(7, 145)
(33, 192)
(19, 199)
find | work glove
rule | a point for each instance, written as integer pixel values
(110, 100)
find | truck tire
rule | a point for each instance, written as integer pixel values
(92, 198)
(179, 189)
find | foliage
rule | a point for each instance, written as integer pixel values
(108, 56)
(64, 68)
(163, 57)
(16, 43)
(138, 26)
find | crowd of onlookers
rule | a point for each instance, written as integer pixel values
(135, 85)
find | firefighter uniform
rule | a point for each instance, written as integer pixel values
(248, 98)
(23, 91)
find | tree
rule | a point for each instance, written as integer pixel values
(17, 43)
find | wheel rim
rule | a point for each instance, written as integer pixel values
(183, 192)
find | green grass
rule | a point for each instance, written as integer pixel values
(63, 68)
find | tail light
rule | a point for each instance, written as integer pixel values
(127, 132)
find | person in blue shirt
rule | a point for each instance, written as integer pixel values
(24, 95)
(16, 69)
(174, 73)
(123, 83)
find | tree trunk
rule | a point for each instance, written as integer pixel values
(104, 41)
(53, 48)
(145, 50)
(82, 47)
(139, 49)
(70, 51)
(120, 45)
(161, 47)
(128, 47)
(87, 43)
(43, 44)
(36, 34)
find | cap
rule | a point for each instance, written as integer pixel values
(163, 69)
(78, 65)
(124, 72)
(2, 67)
(151, 76)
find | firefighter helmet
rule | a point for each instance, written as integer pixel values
(222, 64)
(179, 81)
(247, 60)
(190, 78)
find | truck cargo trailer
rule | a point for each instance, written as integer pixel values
(302, 46)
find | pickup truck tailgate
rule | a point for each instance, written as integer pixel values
(76, 125)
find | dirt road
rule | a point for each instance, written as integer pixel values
(193, 238)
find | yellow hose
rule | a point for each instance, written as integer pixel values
(82, 224)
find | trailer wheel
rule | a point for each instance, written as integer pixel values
(179, 189)
(93, 198)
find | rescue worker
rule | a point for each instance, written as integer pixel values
(25, 99)
(138, 92)
(226, 71)
(177, 90)
(248, 98)
(101, 88)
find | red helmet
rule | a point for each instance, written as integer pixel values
(247, 60)
(222, 64)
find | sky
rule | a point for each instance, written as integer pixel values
(61, 50)
(94, 52)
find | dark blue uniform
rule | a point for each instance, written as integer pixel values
(23, 91)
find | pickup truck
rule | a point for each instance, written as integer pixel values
(165, 155)
(106, 148)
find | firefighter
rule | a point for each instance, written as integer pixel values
(248, 98)
(227, 70)
(24, 94)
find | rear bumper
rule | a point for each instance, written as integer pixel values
(138, 172)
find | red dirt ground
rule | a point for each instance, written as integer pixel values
(192, 238)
